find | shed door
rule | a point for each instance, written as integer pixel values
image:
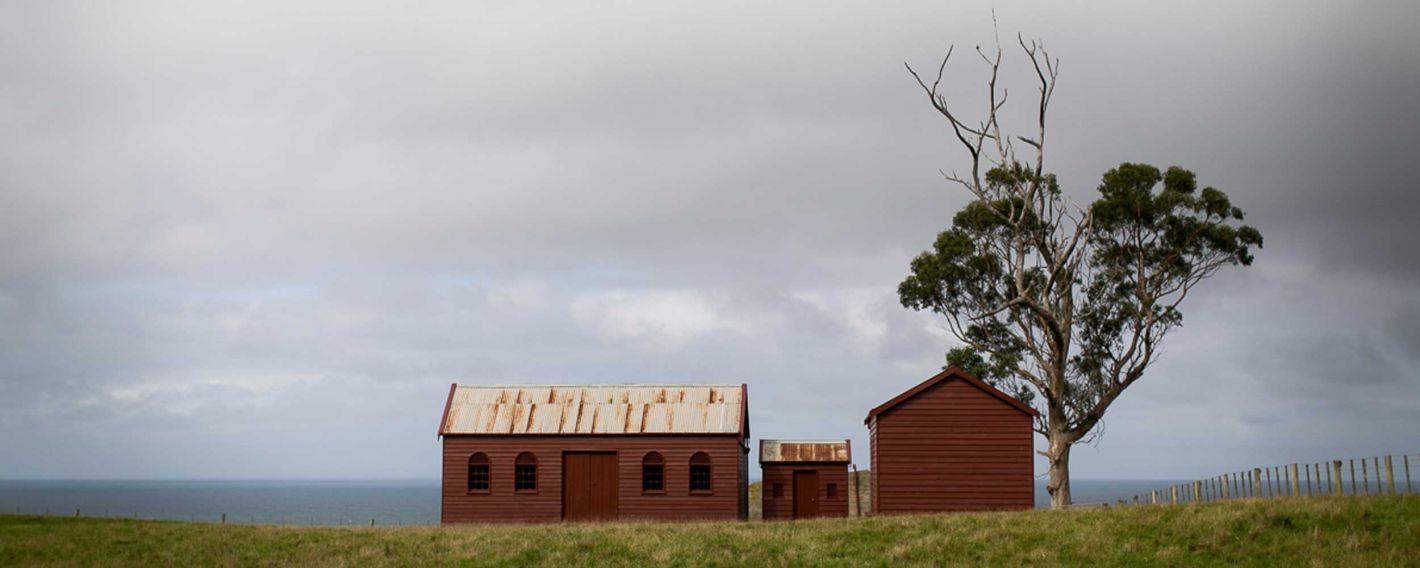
(805, 494)
(588, 486)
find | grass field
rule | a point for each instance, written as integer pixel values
(1346, 531)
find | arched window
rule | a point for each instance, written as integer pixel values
(479, 479)
(700, 466)
(653, 473)
(525, 472)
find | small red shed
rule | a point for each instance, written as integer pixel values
(804, 479)
(952, 443)
(542, 453)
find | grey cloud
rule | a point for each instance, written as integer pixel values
(1404, 326)
(250, 224)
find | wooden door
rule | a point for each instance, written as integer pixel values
(805, 494)
(589, 486)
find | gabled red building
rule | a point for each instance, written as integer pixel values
(951, 443)
(805, 479)
(543, 453)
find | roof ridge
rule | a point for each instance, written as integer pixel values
(951, 372)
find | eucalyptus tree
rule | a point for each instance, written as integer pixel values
(1060, 304)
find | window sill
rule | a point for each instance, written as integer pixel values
(653, 491)
(525, 492)
(701, 492)
(480, 492)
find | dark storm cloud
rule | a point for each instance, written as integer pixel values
(280, 226)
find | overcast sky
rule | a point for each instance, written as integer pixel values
(261, 240)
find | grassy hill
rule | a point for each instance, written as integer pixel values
(1344, 531)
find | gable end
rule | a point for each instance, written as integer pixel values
(952, 373)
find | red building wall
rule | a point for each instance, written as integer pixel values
(783, 507)
(727, 501)
(951, 447)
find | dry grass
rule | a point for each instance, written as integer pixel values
(1346, 531)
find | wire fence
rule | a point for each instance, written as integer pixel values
(1379, 475)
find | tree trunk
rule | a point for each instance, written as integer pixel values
(1059, 484)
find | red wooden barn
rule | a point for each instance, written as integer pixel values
(804, 479)
(952, 443)
(572, 452)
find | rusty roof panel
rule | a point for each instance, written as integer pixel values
(803, 451)
(595, 409)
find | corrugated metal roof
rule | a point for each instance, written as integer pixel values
(801, 451)
(595, 409)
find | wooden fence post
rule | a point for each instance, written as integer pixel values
(1408, 488)
(1256, 482)
(1225, 486)
(1376, 461)
(855, 488)
(76, 512)
(1296, 487)
(224, 518)
(1335, 467)
(1365, 477)
(1173, 492)
(1308, 467)
(1197, 490)
(1154, 497)
(1352, 463)
(1389, 476)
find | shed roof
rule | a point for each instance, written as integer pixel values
(952, 373)
(805, 451)
(596, 409)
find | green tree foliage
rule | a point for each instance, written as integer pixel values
(1060, 305)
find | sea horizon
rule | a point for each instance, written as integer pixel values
(400, 501)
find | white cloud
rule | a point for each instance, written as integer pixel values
(662, 316)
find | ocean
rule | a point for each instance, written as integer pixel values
(327, 502)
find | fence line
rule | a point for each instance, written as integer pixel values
(1291, 480)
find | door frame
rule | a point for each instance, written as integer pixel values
(813, 498)
(614, 483)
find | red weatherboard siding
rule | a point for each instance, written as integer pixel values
(729, 482)
(951, 447)
(783, 507)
